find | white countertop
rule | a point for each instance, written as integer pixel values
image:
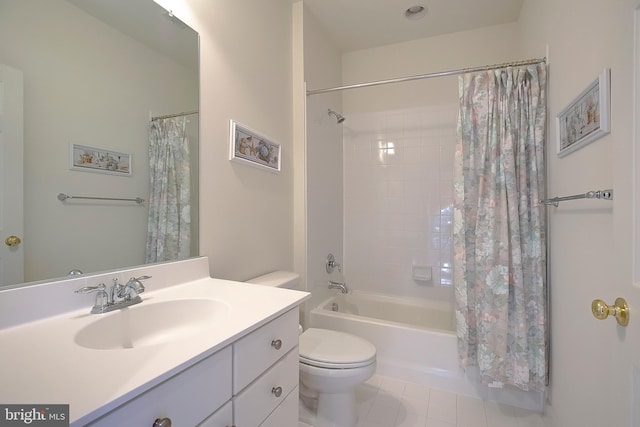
(42, 364)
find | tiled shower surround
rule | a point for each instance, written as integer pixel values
(398, 189)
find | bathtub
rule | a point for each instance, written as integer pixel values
(415, 341)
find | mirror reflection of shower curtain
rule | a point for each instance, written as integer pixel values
(499, 227)
(169, 225)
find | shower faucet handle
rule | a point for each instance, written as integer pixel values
(331, 264)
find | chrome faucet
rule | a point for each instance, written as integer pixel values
(338, 285)
(119, 296)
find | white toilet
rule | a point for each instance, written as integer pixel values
(332, 364)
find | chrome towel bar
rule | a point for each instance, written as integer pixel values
(600, 194)
(62, 197)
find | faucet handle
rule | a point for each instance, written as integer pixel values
(136, 284)
(102, 298)
(88, 289)
(332, 263)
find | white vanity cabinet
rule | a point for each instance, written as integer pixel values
(252, 382)
(186, 399)
(265, 374)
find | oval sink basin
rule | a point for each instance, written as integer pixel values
(148, 324)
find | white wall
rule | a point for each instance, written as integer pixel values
(246, 214)
(299, 144)
(396, 201)
(448, 52)
(324, 181)
(590, 241)
(87, 84)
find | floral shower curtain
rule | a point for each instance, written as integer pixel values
(169, 226)
(499, 226)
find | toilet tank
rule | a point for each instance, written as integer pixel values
(278, 279)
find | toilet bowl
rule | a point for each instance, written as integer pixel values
(332, 364)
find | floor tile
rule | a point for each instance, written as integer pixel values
(471, 412)
(411, 415)
(431, 422)
(388, 402)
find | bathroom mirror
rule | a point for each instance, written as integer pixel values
(94, 73)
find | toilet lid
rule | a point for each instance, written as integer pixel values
(333, 349)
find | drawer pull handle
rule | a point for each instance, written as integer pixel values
(277, 344)
(277, 391)
(162, 422)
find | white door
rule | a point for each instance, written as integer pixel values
(623, 370)
(11, 180)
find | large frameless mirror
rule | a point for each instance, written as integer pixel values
(87, 75)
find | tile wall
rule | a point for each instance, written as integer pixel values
(398, 168)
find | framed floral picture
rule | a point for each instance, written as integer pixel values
(91, 159)
(586, 118)
(251, 148)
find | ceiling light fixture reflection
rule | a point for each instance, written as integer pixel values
(415, 12)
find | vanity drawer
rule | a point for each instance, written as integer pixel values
(187, 398)
(254, 353)
(286, 414)
(257, 401)
(222, 418)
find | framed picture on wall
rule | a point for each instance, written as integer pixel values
(91, 159)
(251, 148)
(587, 117)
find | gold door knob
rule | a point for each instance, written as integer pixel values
(162, 422)
(620, 310)
(12, 241)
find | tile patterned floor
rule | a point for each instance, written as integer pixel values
(387, 402)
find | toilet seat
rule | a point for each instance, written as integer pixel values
(329, 349)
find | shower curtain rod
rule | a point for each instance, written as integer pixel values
(168, 116)
(429, 75)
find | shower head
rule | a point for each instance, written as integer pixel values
(339, 117)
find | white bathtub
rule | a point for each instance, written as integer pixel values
(415, 341)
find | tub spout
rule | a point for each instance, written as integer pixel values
(338, 285)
